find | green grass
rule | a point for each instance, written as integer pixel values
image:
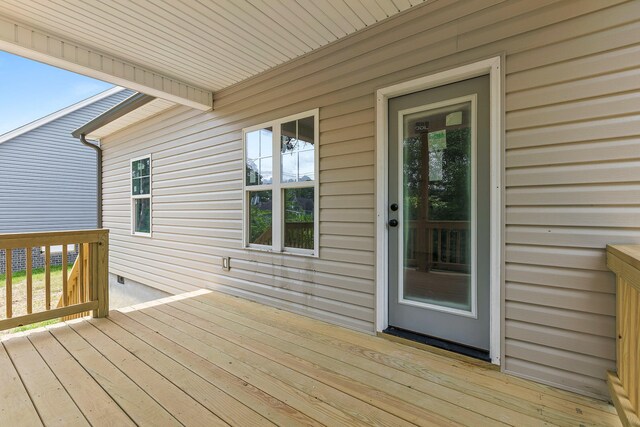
(19, 295)
(36, 274)
(33, 326)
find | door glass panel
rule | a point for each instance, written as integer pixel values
(437, 206)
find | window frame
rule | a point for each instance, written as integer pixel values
(277, 188)
(134, 197)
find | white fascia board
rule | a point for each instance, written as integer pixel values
(60, 113)
(50, 49)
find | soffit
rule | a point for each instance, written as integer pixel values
(209, 44)
(146, 111)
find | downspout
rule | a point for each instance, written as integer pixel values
(98, 176)
(136, 100)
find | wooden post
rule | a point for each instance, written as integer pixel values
(103, 275)
(92, 274)
(8, 271)
(624, 384)
(29, 282)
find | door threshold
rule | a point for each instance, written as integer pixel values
(439, 346)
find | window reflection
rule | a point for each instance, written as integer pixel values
(298, 218)
(259, 155)
(260, 204)
(297, 147)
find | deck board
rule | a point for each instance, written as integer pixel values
(204, 392)
(15, 404)
(49, 396)
(141, 407)
(282, 383)
(282, 362)
(487, 384)
(95, 404)
(254, 398)
(183, 407)
(212, 359)
(404, 402)
(390, 383)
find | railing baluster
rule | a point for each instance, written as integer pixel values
(93, 276)
(65, 297)
(47, 277)
(8, 271)
(429, 247)
(29, 281)
(81, 271)
(86, 271)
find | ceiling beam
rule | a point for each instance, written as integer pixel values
(35, 44)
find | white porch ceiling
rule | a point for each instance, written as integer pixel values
(202, 44)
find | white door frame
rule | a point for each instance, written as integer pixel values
(492, 67)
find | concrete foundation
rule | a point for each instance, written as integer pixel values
(130, 293)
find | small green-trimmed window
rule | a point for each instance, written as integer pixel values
(141, 196)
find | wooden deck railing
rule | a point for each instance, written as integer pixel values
(440, 245)
(77, 282)
(624, 384)
(90, 282)
(296, 235)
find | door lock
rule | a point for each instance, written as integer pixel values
(393, 222)
(394, 207)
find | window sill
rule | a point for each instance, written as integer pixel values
(148, 235)
(272, 252)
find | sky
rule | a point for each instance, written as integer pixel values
(30, 90)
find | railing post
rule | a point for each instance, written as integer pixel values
(8, 285)
(102, 275)
(624, 384)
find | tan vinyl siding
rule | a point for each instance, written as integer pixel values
(572, 160)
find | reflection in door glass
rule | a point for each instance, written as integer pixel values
(437, 206)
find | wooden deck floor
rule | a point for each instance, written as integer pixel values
(210, 359)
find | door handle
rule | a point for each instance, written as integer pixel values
(393, 223)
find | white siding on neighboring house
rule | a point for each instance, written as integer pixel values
(572, 174)
(47, 177)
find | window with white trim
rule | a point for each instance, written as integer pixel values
(281, 185)
(141, 196)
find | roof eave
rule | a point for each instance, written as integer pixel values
(133, 102)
